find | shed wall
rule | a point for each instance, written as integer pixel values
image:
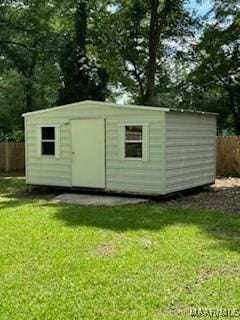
(121, 174)
(190, 150)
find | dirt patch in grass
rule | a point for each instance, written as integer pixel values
(206, 274)
(223, 196)
(146, 243)
(106, 250)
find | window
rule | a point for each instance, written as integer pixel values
(48, 141)
(133, 141)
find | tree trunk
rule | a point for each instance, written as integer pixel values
(29, 75)
(81, 21)
(235, 111)
(237, 128)
(157, 23)
(154, 34)
(28, 96)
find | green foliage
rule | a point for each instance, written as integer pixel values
(28, 65)
(154, 52)
(123, 39)
(214, 84)
(11, 100)
(14, 135)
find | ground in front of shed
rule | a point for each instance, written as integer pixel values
(144, 261)
(97, 200)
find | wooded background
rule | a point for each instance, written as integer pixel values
(167, 53)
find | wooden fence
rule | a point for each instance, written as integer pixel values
(228, 156)
(12, 156)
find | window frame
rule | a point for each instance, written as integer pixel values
(133, 141)
(48, 140)
(56, 141)
(146, 141)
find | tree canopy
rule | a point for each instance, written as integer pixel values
(156, 52)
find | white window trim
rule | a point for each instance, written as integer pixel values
(144, 141)
(133, 141)
(56, 141)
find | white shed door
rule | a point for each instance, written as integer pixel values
(88, 153)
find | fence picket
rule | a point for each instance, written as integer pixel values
(228, 156)
(12, 157)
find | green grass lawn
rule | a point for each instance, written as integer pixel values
(134, 262)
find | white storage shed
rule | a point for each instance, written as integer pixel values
(116, 148)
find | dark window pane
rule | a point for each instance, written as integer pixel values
(133, 150)
(48, 148)
(134, 133)
(48, 133)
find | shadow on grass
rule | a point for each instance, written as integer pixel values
(20, 201)
(14, 192)
(225, 228)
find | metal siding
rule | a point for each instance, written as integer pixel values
(190, 150)
(26, 148)
(121, 175)
(136, 175)
(47, 170)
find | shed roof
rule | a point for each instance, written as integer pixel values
(115, 105)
